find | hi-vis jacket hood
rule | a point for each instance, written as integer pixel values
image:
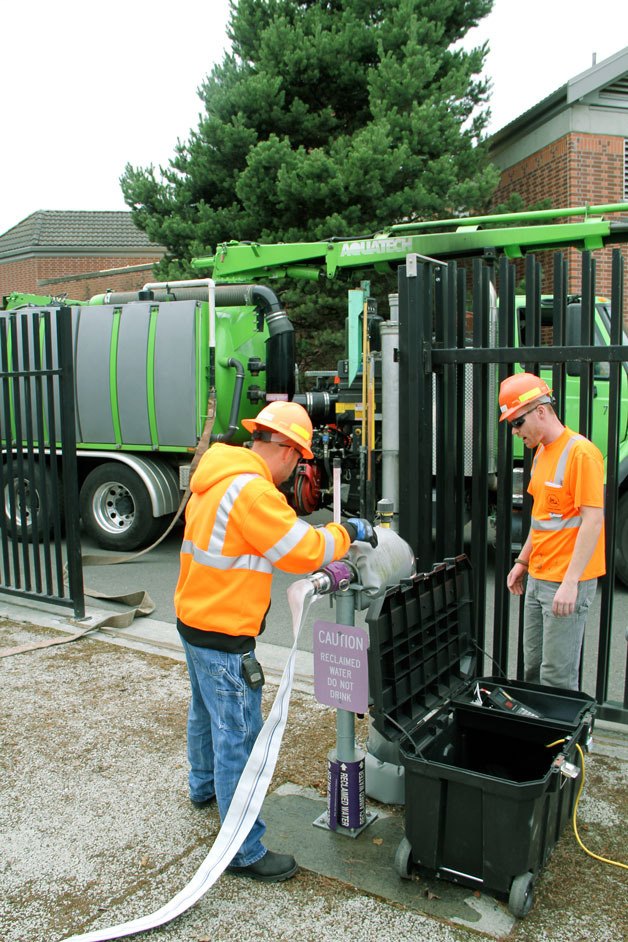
(238, 528)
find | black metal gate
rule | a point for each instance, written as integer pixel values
(459, 328)
(38, 474)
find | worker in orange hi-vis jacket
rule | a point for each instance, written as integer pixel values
(563, 555)
(238, 528)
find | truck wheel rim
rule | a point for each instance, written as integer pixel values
(113, 507)
(23, 511)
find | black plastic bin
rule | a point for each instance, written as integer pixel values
(488, 792)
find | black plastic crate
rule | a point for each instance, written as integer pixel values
(487, 796)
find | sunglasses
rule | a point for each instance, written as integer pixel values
(293, 447)
(518, 422)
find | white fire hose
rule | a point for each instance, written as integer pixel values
(247, 800)
(375, 569)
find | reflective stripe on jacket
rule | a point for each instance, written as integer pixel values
(238, 528)
(555, 520)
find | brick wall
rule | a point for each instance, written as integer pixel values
(573, 171)
(596, 174)
(541, 176)
(28, 274)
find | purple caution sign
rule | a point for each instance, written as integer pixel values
(341, 666)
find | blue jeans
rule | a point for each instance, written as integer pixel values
(552, 643)
(224, 719)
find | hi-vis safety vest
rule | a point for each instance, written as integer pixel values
(561, 486)
(238, 528)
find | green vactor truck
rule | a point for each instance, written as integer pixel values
(151, 366)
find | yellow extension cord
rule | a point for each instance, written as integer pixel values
(606, 860)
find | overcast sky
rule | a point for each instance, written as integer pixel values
(89, 87)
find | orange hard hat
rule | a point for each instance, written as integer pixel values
(520, 390)
(289, 419)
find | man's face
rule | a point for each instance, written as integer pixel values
(290, 460)
(527, 427)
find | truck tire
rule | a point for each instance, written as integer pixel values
(27, 506)
(621, 540)
(116, 508)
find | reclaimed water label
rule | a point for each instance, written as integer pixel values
(341, 666)
(346, 794)
(333, 793)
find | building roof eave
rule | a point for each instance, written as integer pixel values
(577, 88)
(83, 251)
(531, 119)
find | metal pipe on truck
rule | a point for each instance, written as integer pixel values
(389, 332)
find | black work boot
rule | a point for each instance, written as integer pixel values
(271, 868)
(203, 802)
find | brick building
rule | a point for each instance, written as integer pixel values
(572, 149)
(77, 254)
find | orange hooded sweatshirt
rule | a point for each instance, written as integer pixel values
(238, 527)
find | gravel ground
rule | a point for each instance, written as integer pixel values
(96, 827)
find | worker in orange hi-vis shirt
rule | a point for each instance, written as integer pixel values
(563, 555)
(239, 528)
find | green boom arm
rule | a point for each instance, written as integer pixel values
(513, 234)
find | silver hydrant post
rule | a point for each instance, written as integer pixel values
(345, 615)
(345, 721)
(346, 793)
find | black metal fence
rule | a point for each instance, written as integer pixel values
(466, 331)
(38, 474)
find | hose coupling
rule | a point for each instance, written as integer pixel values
(336, 577)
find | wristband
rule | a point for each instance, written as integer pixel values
(522, 562)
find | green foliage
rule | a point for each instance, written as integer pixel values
(515, 204)
(327, 118)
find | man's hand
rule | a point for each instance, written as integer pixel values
(514, 579)
(565, 599)
(360, 529)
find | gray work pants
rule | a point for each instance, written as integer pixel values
(552, 643)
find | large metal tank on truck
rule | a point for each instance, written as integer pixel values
(148, 367)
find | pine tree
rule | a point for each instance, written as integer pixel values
(327, 118)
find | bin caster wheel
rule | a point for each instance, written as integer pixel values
(521, 895)
(403, 859)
